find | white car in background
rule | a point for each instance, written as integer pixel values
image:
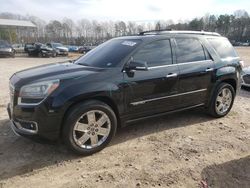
(19, 48)
(59, 48)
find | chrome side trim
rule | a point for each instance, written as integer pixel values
(169, 96)
(194, 62)
(162, 66)
(175, 64)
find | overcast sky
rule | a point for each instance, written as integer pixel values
(127, 10)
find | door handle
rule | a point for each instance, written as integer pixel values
(172, 75)
(209, 69)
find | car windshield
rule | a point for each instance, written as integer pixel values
(109, 54)
(57, 45)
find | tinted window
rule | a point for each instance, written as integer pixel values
(156, 53)
(109, 54)
(189, 50)
(223, 47)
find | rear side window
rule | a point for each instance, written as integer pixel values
(189, 50)
(223, 47)
(155, 54)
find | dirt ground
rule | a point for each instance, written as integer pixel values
(186, 149)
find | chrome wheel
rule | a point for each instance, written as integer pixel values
(91, 129)
(223, 101)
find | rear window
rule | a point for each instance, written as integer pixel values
(223, 47)
(189, 50)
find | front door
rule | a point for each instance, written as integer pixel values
(150, 92)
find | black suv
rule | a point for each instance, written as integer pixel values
(123, 80)
(39, 50)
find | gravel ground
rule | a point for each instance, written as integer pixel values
(186, 149)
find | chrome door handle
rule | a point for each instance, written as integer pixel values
(172, 75)
(209, 69)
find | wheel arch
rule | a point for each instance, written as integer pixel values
(232, 82)
(105, 99)
(229, 80)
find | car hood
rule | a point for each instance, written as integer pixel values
(46, 48)
(246, 70)
(61, 71)
(62, 48)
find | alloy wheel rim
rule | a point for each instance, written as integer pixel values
(91, 129)
(223, 101)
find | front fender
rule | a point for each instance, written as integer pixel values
(77, 93)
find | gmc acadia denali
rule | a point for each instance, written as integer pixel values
(123, 80)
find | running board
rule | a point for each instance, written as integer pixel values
(164, 113)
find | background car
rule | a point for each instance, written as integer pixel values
(73, 48)
(246, 77)
(19, 48)
(6, 49)
(40, 50)
(27, 46)
(85, 49)
(58, 48)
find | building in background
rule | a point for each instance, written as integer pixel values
(17, 31)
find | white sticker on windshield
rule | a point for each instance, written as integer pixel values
(128, 43)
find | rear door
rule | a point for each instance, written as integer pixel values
(196, 71)
(153, 91)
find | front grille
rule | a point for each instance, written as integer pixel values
(246, 79)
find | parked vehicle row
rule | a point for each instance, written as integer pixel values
(51, 49)
(241, 43)
(39, 50)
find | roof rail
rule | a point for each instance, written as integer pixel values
(154, 31)
(170, 31)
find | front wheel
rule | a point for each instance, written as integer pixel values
(40, 54)
(222, 100)
(89, 127)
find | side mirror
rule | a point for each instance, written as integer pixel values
(137, 65)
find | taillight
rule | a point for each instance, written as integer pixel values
(241, 63)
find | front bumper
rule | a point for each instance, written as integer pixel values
(63, 53)
(47, 53)
(5, 53)
(34, 122)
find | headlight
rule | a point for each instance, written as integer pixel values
(35, 93)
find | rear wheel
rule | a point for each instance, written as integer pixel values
(89, 127)
(222, 100)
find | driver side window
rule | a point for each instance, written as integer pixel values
(157, 53)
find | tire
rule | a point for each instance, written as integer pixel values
(54, 54)
(222, 100)
(40, 54)
(13, 54)
(84, 135)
